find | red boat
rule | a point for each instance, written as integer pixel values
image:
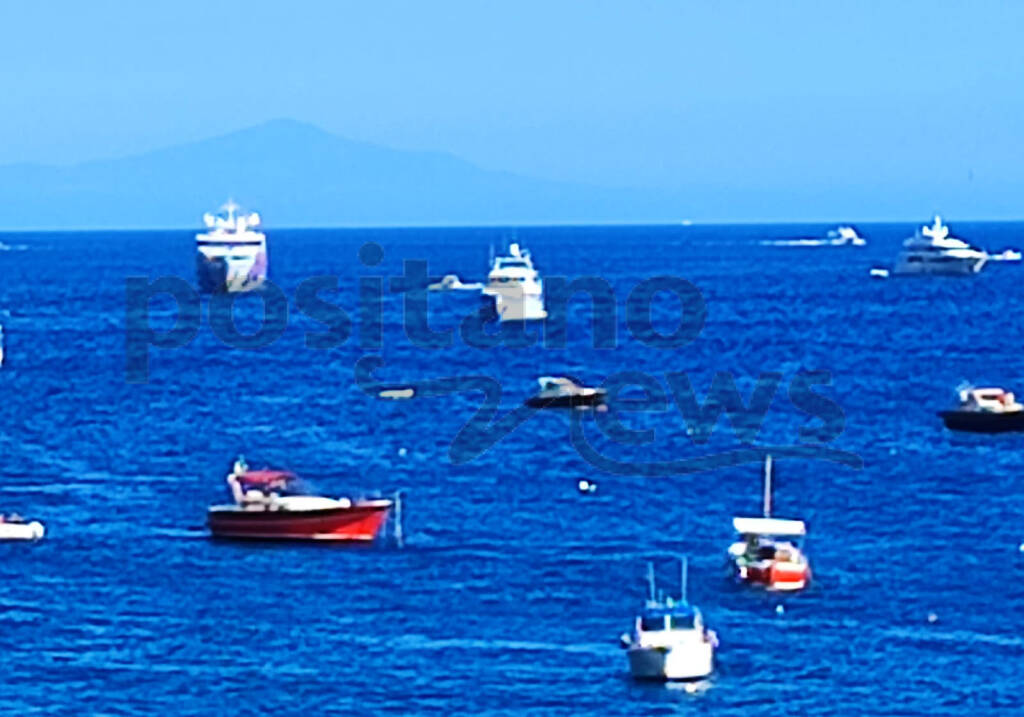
(266, 508)
(768, 552)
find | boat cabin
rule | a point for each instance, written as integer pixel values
(989, 400)
(768, 539)
(668, 617)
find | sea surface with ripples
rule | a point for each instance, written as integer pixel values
(512, 587)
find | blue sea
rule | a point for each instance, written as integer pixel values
(512, 587)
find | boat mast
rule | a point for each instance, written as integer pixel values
(767, 486)
(682, 580)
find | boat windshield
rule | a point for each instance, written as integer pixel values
(677, 617)
(682, 622)
(651, 623)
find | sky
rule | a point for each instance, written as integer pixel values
(774, 102)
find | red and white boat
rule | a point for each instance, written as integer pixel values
(768, 551)
(266, 507)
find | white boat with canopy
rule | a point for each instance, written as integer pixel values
(768, 551)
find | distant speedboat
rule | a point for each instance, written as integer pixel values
(768, 551)
(933, 251)
(515, 287)
(266, 506)
(14, 527)
(561, 392)
(1011, 255)
(985, 410)
(451, 282)
(669, 640)
(231, 256)
(844, 236)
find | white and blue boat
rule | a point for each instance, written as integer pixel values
(670, 640)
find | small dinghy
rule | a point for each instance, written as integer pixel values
(14, 527)
(669, 639)
(985, 410)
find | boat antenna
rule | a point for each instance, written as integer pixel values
(650, 582)
(682, 580)
(768, 486)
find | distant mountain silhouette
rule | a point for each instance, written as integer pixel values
(298, 175)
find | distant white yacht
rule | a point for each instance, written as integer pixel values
(932, 251)
(515, 287)
(231, 256)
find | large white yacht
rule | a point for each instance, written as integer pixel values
(933, 251)
(231, 256)
(515, 287)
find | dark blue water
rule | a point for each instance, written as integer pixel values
(512, 587)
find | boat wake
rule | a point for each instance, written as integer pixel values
(423, 642)
(798, 242)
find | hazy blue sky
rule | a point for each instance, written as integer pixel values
(846, 97)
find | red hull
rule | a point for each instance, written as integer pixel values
(358, 523)
(778, 575)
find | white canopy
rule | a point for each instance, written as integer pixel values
(769, 526)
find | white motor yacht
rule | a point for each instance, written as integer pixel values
(669, 639)
(515, 287)
(231, 256)
(933, 251)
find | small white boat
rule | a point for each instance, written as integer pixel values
(14, 527)
(397, 394)
(669, 639)
(880, 273)
(515, 287)
(985, 410)
(451, 282)
(933, 251)
(845, 236)
(562, 392)
(1011, 255)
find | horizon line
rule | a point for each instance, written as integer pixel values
(682, 224)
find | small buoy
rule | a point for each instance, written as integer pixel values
(932, 617)
(586, 486)
(779, 609)
(1021, 547)
(402, 452)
